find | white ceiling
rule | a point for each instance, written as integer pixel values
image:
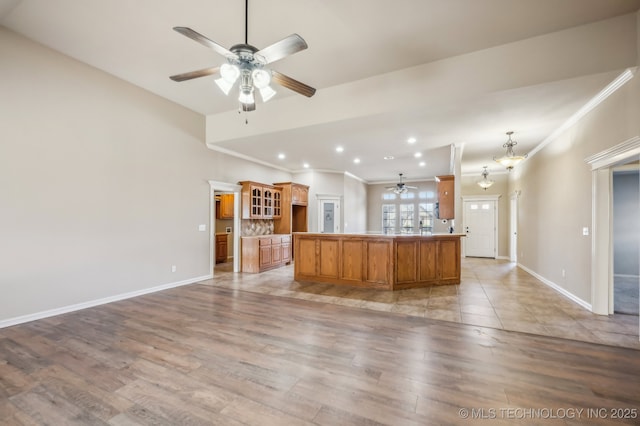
(361, 54)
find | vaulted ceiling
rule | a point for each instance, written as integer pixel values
(446, 72)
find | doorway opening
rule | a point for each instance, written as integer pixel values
(602, 165)
(224, 230)
(626, 239)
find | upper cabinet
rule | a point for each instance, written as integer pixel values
(295, 198)
(299, 194)
(224, 206)
(260, 201)
(446, 197)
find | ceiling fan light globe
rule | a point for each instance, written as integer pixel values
(246, 97)
(224, 85)
(267, 93)
(229, 73)
(261, 78)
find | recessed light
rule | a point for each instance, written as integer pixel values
(305, 165)
(422, 164)
(281, 156)
(339, 149)
(411, 140)
(417, 154)
(356, 160)
(389, 157)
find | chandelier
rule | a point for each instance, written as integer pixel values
(485, 183)
(509, 160)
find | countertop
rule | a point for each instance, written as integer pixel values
(430, 235)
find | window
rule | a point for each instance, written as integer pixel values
(388, 218)
(408, 213)
(425, 217)
(406, 218)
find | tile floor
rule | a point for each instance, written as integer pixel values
(492, 293)
(626, 294)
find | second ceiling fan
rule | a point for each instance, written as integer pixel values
(247, 64)
(400, 187)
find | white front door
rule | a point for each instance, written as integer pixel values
(480, 227)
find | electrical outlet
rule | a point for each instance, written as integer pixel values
(564, 273)
(173, 268)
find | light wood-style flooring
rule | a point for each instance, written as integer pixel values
(207, 354)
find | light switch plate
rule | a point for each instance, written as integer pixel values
(585, 230)
(202, 227)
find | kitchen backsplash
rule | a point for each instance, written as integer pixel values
(252, 227)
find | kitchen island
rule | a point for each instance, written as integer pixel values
(386, 262)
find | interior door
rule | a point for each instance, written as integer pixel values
(329, 216)
(480, 227)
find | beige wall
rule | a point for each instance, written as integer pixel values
(469, 187)
(555, 185)
(334, 184)
(355, 202)
(102, 184)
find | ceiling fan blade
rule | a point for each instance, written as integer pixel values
(193, 35)
(280, 49)
(292, 84)
(194, 74)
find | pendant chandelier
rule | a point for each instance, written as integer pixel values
(485, 183)
(510, 159)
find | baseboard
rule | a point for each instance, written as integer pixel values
(503, 258)
(557, 288)
(84, 305)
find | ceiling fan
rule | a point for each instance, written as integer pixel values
(400, 187)
(247, 64)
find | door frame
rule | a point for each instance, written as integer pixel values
(513, 226)
(215, 186)
(602, 165)
(480, 198)
(332, 198)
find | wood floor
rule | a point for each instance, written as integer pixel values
(204, 355)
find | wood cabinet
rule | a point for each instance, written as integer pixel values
(446, 196)
(265, 252)
(380, 262)
(299, 194)
(222, 247)
(293, 218)
(224, 206)
(435, 261)
(260, 201)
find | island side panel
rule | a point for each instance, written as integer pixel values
(306, 253)
(352, 260)
(449, 257)
(406, 261)
(379, 263)
(329, 258)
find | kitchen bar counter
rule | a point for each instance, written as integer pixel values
(386, 262)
